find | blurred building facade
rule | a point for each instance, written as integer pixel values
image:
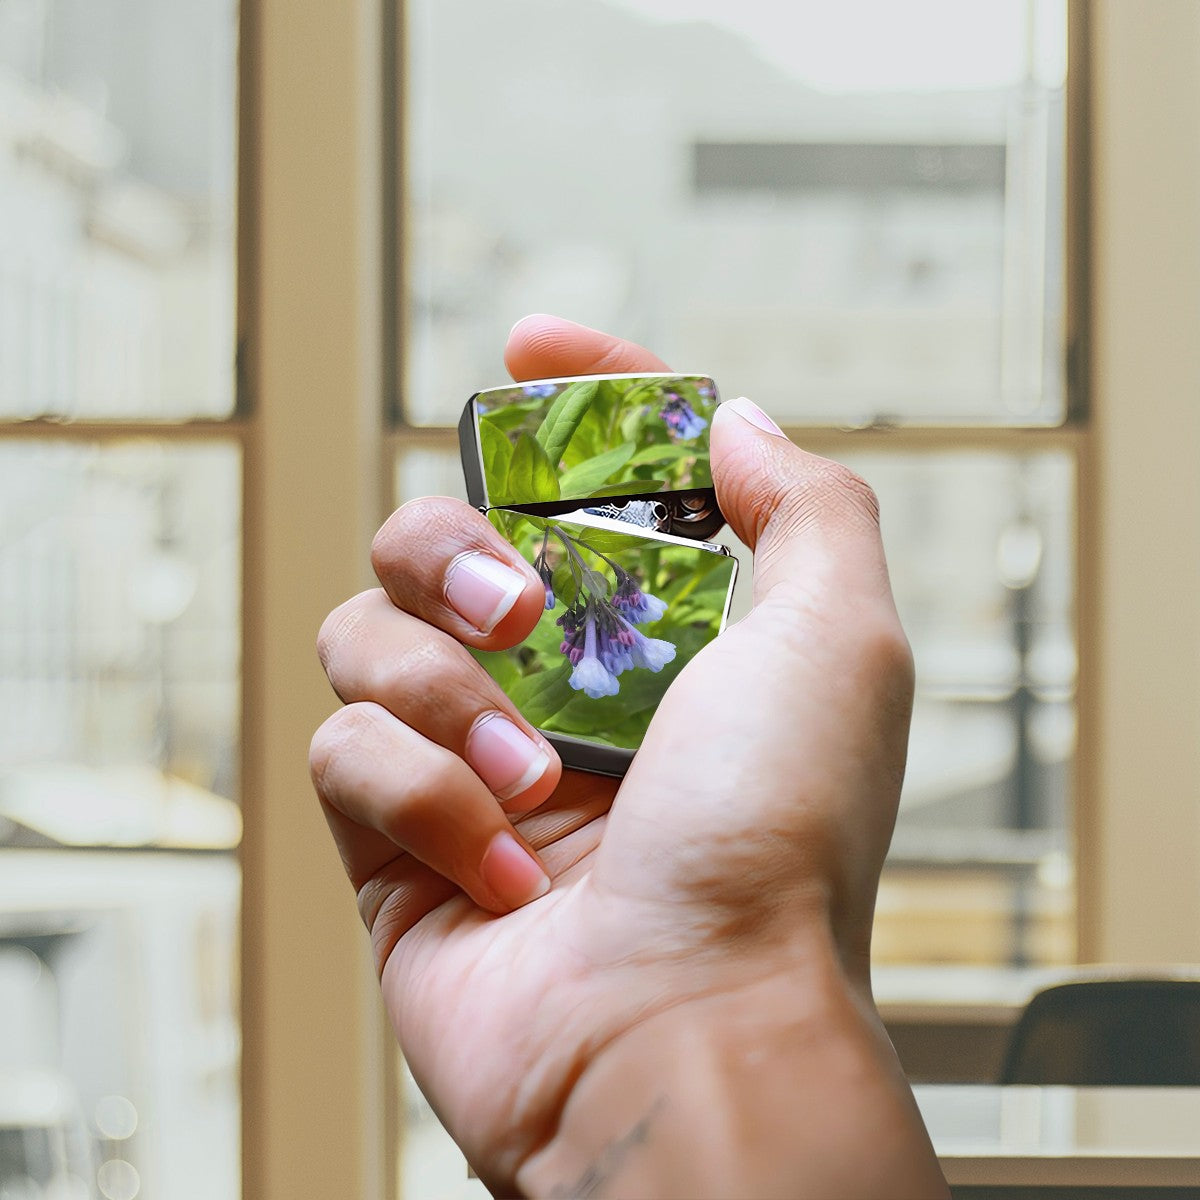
(120, 593)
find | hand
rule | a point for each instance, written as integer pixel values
(686, 1010)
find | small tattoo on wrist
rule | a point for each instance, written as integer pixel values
(609, 1160)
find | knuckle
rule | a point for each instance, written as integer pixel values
(851, 491)
(386, 545)
(830, 497)
(428, 779)
(320, 755)
(341, 627)
(419, 676)
(339, 736)
(830, 493)
(766, 479)
(887, 655)
(429, 517)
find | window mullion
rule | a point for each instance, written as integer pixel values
(315, 1060)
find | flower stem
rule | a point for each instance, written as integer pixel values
(577, 565)
(592, 550)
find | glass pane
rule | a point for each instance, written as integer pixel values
(119, 884)
(981, 553)
(848, 229)
(117, 208)
(428, 471)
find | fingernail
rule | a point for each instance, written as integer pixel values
(481, 589)
(511, 872)
(750, 411)
(504, 757)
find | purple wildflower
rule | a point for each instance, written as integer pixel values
(598, 635)
(541, 390)
(542, 567)
(572, 643)
(591, 676)
(681, 419)
(651, 653)
(614, 640)
(633, 604)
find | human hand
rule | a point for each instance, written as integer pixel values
(687, 1008)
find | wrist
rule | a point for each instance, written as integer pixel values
(762, 1091)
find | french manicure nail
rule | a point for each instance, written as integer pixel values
(750, 411)
(511, 872)
(504, 757)
(481, 589)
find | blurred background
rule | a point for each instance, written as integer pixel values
(253, 261)
(120, 568)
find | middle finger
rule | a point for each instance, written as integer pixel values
(374, 652)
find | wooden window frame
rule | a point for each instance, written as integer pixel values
(320, 1070)
(324, 176)
(317, 263)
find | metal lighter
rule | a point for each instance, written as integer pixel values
(603, 484)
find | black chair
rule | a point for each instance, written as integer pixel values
(1114, 1032)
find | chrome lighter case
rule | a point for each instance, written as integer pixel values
(603, 484)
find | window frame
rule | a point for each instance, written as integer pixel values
(1117, 86)
(320, 116)
(1113, 71)
(318, 1056)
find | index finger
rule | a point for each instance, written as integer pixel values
(543, 347)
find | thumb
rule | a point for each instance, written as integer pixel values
(810, 521)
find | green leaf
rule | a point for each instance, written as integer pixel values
(531, 477)
(585, 478)
(608, 541)
(664, 452)
(524, 528)
(628, 487)
(629, 734)
(497, 453)
(509, 417)
(499, 665)
(547, 636)
(596, 582)
(503, 522)
(591, 438)
(563, 583)
(696, 573)
(560, 423)
(541, 695)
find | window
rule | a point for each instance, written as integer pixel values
(120, 583)
(870, 246)
(855, 217)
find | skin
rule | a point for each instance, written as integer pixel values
(688, 1010)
